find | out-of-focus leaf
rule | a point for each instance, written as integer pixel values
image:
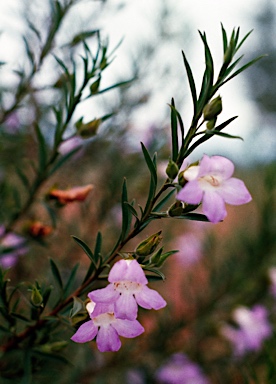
(70, 281)
(56, 274)
(174, 132)
(42, 148)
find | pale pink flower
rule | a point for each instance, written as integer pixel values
(180, 370)
(253, 329)
(127, 288)
(211, 183)
(106, 328)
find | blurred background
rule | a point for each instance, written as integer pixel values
(219, 268)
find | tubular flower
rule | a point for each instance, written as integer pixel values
(211, 183)
(70, 195)
(106, 328)
(127, 288)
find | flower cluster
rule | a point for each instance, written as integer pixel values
(113, 309)
(253, 329)
(211, 183)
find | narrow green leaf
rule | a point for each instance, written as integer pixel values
(243, 68)
(24, 179)
(193, 216)
(86, 249)
(70, 281)
(150, 163)
(243, 40)
(207, 137)
(226, 135)
(98, 247)
(56, 274)
(120, 84)
(132, 210)
(42, 148)
(224, 38)
(191, 82)
(126, 214)
(174, 132)
(157, 272)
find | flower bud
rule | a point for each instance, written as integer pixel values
(87, 130)
(176, 209)
(211, 123)
(94, 87)
(181, 179)
(213, 109)
(148, 246)
(172, 169)
(36, 297)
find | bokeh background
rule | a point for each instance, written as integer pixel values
(219, 267)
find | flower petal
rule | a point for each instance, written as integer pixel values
(104, 295)
(127, 328)
(191, 193)
(127, 270)
(213, 206)
(108, 339)
(216, 166)
(126, 307)
(86, 332)
(234, 192)
(149, 298)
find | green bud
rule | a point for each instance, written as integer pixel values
(148, 246)
(88, 129)
(181, 179)
(94, 87)
(154, 259)
(213, 109)
(211, 123)
(53, 347)
(176, 209)
(172, 169)
(36, 297)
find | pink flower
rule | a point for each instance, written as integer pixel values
(106, 328)
(211, 183)
(127, 288)
(254, 328)
(180, 370)
(12, 246)
(70, 195)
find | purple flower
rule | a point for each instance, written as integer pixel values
(12, 246)
(190, 249)
(127, 288)
(211, 183)
(180, 370)
(254, 328)
(106, 328)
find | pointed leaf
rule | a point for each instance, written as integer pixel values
(70, 281)
(56, 274)
(191, 82)
(126, 214)
(86, 249)
(174, 132)
(223, 134)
